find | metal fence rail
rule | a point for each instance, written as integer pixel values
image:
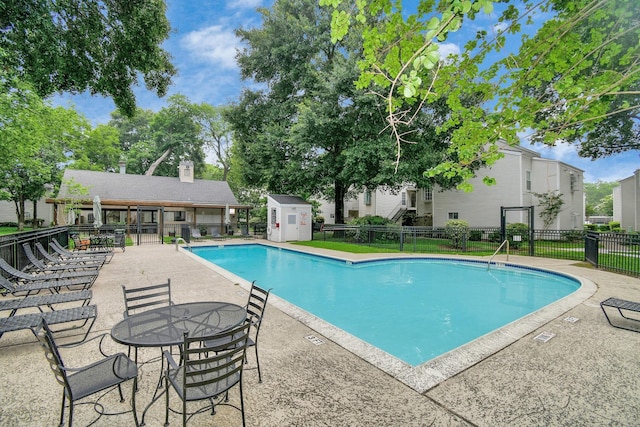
(11, 244)
(612, 251)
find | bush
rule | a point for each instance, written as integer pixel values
(475, 235)
(517, 229)
(604, 227)
(615, 226)
(573, 236)
(458, 231)
(591, 227)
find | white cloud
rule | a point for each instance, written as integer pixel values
(447, 49)
(213, 44)
(243, 4)
(499, 27)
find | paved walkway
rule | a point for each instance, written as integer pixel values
(587, 375)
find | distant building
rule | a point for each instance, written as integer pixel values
(519, 174)
(626, 202)
(153, 201)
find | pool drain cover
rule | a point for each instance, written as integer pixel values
(315, 340)
(545, 336)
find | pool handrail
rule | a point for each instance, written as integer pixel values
(183, 241)
(498, 250)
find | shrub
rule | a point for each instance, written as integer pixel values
(458, 231)
(615, 226)
(604, 227)
(475, 235)
(517, 229)
(573, 236)
(591, 227)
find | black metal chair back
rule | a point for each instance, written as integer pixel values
(208, 372)
(145, 298)
(255, 312)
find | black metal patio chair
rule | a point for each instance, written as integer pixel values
(255, 311)
(207, 373)
(79, 383)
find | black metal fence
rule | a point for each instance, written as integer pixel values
(11, 244)
(612, 251)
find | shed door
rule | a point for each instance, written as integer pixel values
(291, 232)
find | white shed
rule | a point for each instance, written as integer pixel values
(289, 218)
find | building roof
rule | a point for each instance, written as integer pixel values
(126, 189)
(285, 199)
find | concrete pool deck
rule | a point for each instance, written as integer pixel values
(588, 374)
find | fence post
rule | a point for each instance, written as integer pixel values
(401, 239)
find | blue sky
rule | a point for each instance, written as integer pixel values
(203, 46)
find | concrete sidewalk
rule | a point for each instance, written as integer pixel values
(587, 375)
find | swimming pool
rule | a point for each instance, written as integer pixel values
(415, 309)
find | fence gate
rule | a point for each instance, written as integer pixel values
(149, 225)
(591, 241)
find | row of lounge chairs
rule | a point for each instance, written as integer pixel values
(55, 286)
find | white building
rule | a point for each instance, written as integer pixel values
(288, 218)
(626, 202)
(519, 174)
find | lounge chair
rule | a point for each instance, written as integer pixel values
(38, 266)
(22, 277)
(53, 260)
(215, 234)
(8, 287)
(623, 308)
(195, 233)
(65, 253)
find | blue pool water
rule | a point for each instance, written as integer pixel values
(414, 309)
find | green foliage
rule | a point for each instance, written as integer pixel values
(34, 138)
(577, 79)
(370, 220)
(517, 229)
(79, 45)
(615, 226)
(573, 236)
(551, 203)
(599, 196)
(458, 231)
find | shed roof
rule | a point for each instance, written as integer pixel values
(126, 189)
(285, 199)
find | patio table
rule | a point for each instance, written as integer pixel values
(165, 327)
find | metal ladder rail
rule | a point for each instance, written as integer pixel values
(183, 241)
(498, 250)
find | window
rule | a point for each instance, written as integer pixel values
(404, 198)
(179, 216)
(527, 177)
(453, 215)
(367, 197)
(428, 194)
(273, 216)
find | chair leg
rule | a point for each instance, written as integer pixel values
(70, 412)
(242, 403)
(120, 392)
(133, 401)
(166, 408)
(258, 363)
(62, 409)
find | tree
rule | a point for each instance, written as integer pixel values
(34, 138)
(99, 150)
(551, 203)
(599, 196)
(310, 131)
(216, 134)
(576, 78)
(176, 135)
(155, 143)
(78, 45)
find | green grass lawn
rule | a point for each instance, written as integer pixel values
(12, 230)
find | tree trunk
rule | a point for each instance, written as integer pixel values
(20, 213)
(35, 214)
(155, 164)
(339, 203)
